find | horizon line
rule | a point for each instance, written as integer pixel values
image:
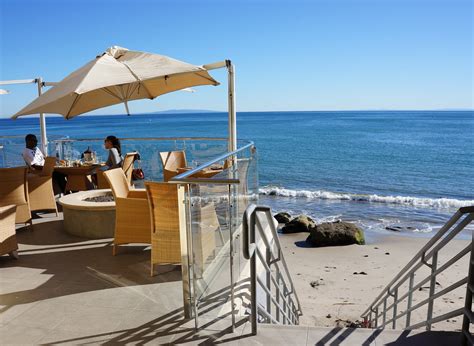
(197, 111)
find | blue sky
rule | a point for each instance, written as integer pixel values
(289, 55)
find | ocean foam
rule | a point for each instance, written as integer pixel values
(402, 200)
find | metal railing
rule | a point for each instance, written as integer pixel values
(377, 314)
(216, 204)
(284, 298)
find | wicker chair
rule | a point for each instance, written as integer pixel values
(168, 226)
(127, 167)
(40, 188)
(14, 190)
(174, 162)
(166, 215)
(8, 243)
(132, 214)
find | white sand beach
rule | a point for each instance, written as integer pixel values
(339, 294)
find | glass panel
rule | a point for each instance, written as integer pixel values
(216, 220)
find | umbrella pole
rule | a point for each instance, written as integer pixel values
(231, 106)
(126, 107)
(44, 138)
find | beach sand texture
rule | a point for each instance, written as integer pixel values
(339, 294)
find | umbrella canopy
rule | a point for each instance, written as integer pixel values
(117, 76)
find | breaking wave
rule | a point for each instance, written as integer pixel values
(402, 200)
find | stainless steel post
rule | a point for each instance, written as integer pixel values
(278, 318)
(231, 107)
(231, 258)
(377, 316)
(395, 298)
(253, 277)
(434, 264)
(44, 138)
(410, 296)
(468, 299)
(268, 281)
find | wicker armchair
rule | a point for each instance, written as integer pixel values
(8, 243)
(40, 188)
(14, 190)
(167, 216)
(168, 226)
(127, 167)
(132, 214)
(174, 162)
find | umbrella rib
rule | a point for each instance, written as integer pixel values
(72, 106)
(110, 92)
(140, 82)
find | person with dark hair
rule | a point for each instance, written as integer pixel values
(34, 158)
(32, 155)
(115, 159)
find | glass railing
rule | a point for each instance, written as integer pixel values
(11, 149)
(215, 205)
(198, 150)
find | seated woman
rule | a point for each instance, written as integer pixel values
(114, 159)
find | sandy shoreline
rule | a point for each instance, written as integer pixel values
(338, 293)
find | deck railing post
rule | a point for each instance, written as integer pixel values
(395, 304)
(376, 316)
(384, 312)
(231, 256)
(468, 299)
(410, 297)
(268, 280)
(278, 293)
(434, 264)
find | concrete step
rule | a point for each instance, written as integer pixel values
(301, 335)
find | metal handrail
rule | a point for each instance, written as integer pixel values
(288, 309)
(221, 158)
(379, 308)
(144, 139)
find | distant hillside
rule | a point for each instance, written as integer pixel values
(181, 111)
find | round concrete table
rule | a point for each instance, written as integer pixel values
(94, 220)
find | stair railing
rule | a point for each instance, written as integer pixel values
(377, 314)
(280, 304)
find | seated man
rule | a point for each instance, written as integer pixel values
(34, 158)
(32, 155)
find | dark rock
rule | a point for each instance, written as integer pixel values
(387, 253)
(328, 316)
(335, 233)
(282, 217)
(301, 223)
(395, 229)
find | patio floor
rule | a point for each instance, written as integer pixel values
(65, 289)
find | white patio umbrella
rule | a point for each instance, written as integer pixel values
(117, 76)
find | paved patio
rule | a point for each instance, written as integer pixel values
(65, 289)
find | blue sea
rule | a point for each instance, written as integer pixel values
(407, 171)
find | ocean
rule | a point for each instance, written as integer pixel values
(391, 172)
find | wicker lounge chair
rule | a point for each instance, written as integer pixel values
(132, 214)
(14, 190)
(40, 188)
(8, 243)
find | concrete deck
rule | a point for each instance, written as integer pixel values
(70, 290)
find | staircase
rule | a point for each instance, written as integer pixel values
(275, 307)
